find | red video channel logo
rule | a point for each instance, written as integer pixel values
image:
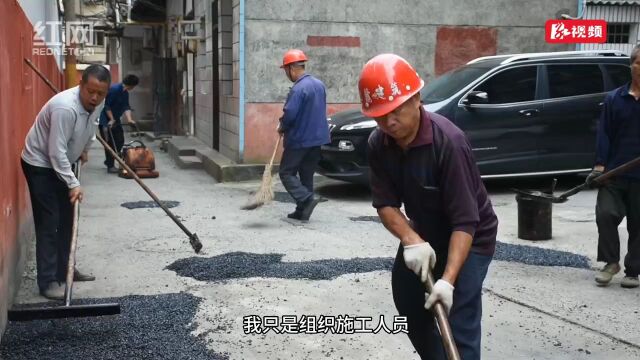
(575, 31)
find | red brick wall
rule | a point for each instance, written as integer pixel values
(22, 94)
(456, 45)
(260, 122)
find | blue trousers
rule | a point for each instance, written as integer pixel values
(297, 167)
(465, 315)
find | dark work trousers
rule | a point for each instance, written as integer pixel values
(466, 312)
(118, 139)
(619, 198)
(297, 167)
(53, 218)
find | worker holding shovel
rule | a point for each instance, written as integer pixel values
(618, 142)
(423, 161)
(61, 134)
(304, 128)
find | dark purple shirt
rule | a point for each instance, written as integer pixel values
(437, 180)
(618, 135)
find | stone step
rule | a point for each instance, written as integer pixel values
(189, 162)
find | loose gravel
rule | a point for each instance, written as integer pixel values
(148, 204)
(238, 265)
(149, 327)
(533, 255)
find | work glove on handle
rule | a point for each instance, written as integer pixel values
(442, 292)
(420, 258)
(592, 175)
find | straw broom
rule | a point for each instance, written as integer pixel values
(264, 195)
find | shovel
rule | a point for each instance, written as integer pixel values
(68, 310)
(442, 320)
(565, 195)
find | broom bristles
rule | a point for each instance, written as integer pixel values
(264, 195)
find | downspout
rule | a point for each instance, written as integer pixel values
(581, 7)
(241, 81)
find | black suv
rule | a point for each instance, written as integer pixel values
(524, 114)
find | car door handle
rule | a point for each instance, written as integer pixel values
(529, 112)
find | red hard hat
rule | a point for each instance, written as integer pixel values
(293, 56)
(386, 82)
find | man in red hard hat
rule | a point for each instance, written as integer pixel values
(304, 127)
(422, 160)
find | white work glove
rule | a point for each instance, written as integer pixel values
(420, 258)
(442, 292)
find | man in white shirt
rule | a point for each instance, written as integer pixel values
(61, 135)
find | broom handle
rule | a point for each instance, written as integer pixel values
(72, 248)
(275, 150)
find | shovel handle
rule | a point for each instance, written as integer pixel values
(440, 314)
(193, 238)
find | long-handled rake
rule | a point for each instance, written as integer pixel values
(67, 310)
(264, 194)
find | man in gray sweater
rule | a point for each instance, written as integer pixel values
(61, 135)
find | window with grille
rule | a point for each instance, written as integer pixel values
(618, 33)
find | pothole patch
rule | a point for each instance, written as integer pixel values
(149, 204)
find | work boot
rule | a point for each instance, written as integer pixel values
(605, 275)
(112, 170)
(53, 291)
(294, 215)
(78, 276)
(630, 282)
(307, 207)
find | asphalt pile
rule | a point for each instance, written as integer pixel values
(148, 204)
(532, 255)
(149, 327)
(238, 265)
(241, 265)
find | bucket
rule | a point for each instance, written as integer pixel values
(534, 218)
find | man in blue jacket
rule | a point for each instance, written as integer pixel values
(618, 141)
(116, 105)
(305, 128)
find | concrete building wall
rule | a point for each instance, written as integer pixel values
(203, 86)
(227, 88)
(340, 36)
(22, 94)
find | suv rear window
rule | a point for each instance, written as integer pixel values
(511, 86)
(620, 74)
(574, 79)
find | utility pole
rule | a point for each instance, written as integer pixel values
(70, 72)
